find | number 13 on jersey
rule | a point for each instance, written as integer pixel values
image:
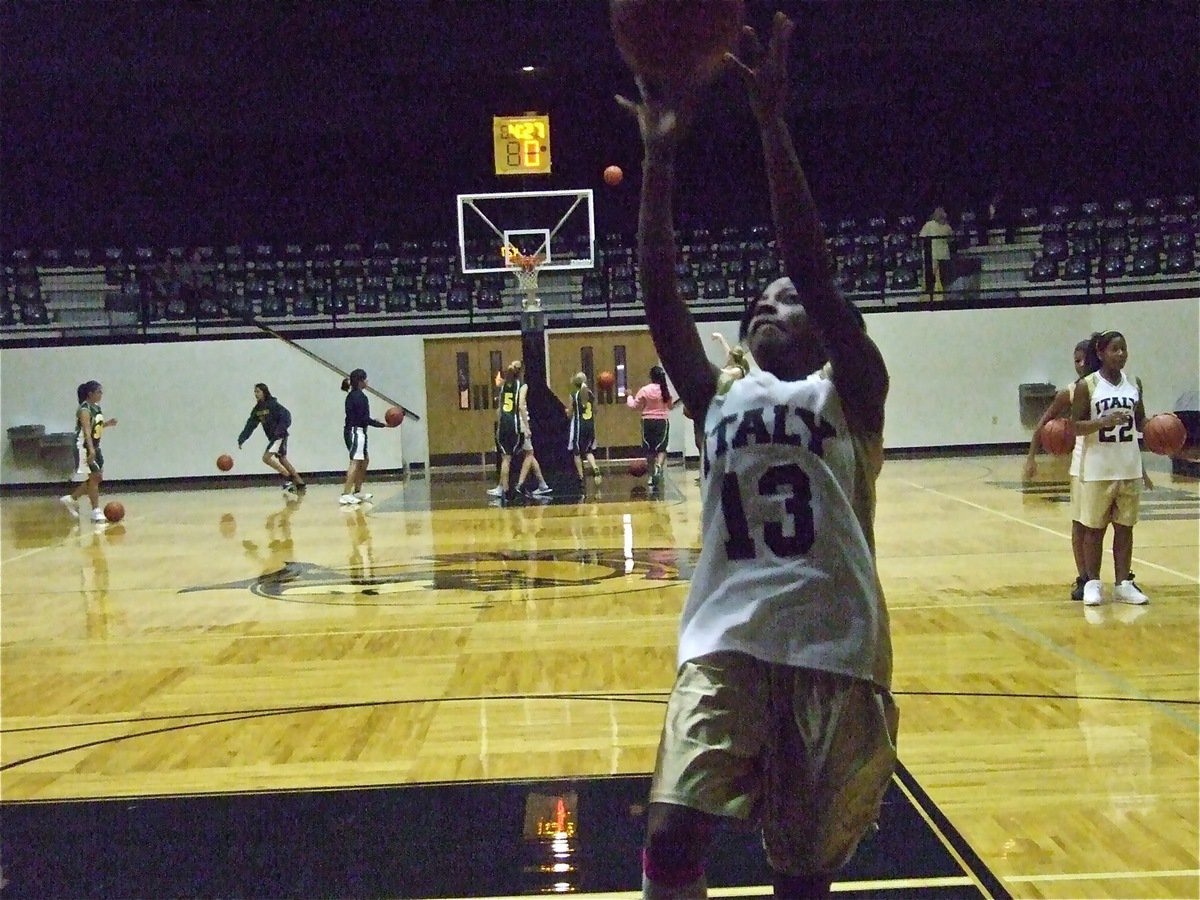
(788, 489)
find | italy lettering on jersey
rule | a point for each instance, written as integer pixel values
(787, 570)
(1111, 454)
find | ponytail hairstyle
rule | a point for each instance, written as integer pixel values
(739, 358)
(266, 391)
(355, 380)
(1098, 341)
(86, 389)
(659, 376)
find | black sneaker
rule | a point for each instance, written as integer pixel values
(1077, 590)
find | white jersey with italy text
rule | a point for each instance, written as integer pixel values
(1111, 454)
(787, 569)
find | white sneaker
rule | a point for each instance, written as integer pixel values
(542, 491)
(71, 504)
(348, 500)
(1092, 593)
(497, 491)
(363, 496)
(1128, 592)
(98, 516)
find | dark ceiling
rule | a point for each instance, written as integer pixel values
(196, 121)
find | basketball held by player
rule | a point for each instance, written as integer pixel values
(1060, 409)
(1107, 409)
(89, 459)
(275, 419)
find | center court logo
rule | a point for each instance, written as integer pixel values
(528, 573)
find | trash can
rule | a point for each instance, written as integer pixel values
(1034, 400)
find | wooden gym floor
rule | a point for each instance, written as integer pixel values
(234, 694)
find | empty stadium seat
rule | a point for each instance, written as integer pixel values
(1077, 266)
(1145, 264)
(1044, 269)
(1180, 261)
(593, 290)
(398, 299)
(904, 278)
(488, 298)
(1055, 249)
(689, 289)
(1112, 266)
(873, 281)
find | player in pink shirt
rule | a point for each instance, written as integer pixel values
(655, 402)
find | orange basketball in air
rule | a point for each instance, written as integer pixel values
(114, 511)
(394, 416)
(224, 462)
(681, 41)
(606, 380)
(613, 176)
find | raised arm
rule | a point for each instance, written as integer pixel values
(858, 367)
(660, 119)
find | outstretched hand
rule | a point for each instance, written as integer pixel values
(664, 113)
(765, 77)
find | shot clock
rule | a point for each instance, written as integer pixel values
(522, 144)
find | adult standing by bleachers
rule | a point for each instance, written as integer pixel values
(935, 250)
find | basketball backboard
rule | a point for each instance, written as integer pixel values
(558, 226)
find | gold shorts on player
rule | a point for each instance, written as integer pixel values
(805, 754)
(1102, 502)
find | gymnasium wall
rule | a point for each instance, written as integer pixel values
(955, 377)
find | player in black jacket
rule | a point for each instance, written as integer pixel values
(275, 420)
(358, 418)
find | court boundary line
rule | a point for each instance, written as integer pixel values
(1026, 522)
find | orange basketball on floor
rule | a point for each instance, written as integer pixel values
(1058, 436)
(114, 511)
(394, 416)
(613, 176)
(638, 467)
(676, 40)
(224, 462)
(605, 380)
(1164, 434)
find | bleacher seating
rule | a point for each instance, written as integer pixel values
(872, 257)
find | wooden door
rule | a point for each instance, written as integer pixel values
(460, 394)
(617, 426)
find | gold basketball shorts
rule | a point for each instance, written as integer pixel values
(806, 755)
(1102, 502)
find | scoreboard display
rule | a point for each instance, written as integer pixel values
(522, 144)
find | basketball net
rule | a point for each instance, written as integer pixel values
(525, 268)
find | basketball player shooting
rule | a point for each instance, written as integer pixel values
(784, 646)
